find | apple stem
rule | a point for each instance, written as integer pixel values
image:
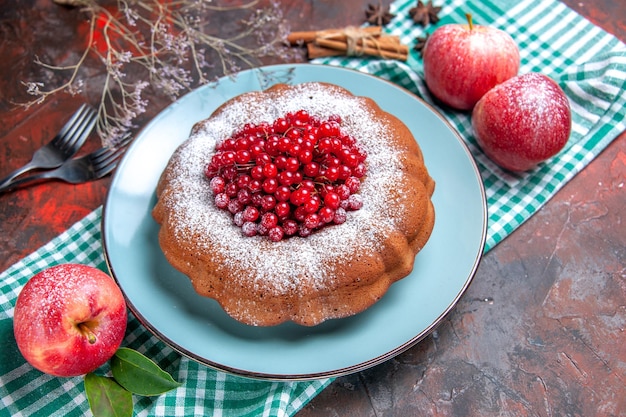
(86, 331)
(468, 16)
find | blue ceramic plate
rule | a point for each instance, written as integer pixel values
(166, 303)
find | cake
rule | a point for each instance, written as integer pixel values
(309, 274)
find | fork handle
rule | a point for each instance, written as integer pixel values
(8, 180)
(12, 183)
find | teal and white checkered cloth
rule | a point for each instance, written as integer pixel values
(588, 63)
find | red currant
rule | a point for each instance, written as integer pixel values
(276, 234)
(249, 229)
(250, 214)
(217, 185)
(222, 200)
(270, 170)
(269, 220)
(332, 200)
(289, 177)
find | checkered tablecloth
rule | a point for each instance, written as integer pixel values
(588, 63)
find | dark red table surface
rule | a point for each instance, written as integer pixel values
(541, 330)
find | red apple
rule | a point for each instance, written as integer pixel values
(522, 121)
(69, 319)
(463, 62)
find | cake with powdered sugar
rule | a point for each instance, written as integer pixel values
(298, 203)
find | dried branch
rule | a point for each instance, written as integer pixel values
(165, 45)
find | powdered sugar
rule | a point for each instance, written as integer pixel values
(281, 266)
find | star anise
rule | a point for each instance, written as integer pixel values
(420, 43)
(378, 15)
(425, 14)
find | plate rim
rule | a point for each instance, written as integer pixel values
(346, 370)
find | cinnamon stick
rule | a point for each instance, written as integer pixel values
(316, 51)
(401, 53)
(385, 43)
(303, 37)
(350, 41)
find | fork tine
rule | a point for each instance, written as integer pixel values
(100, 153)
(104, 167)
(106, 153)
(125, 141)
(102, 156)
(78, 114)
(80, 132)
(104, 170)
(111, 155)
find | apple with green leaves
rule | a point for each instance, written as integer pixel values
(523, 121)
(69, 319)
(463, 62)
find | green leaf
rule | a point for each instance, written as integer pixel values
(107, 398)
(140, 375)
